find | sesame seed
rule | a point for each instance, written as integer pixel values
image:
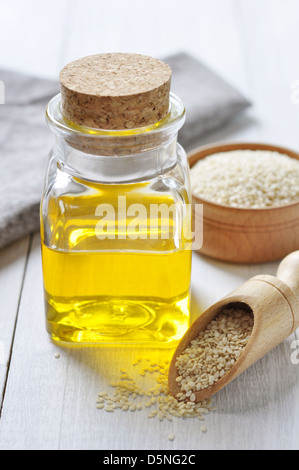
(127, 395)
(246, 178)
(109, 409)
(213, 353)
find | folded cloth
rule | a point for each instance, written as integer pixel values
(25, 140)
(210, 101)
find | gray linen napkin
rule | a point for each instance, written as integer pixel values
(25, 140)
(210, 101)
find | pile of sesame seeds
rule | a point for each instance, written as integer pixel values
(208, 358)
(129, 395)
(247, 179)
(214, 352)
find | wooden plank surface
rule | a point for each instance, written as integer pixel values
(13, 262)
(33, 35)
(49, 402)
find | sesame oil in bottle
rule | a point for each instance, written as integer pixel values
(115, 210)
(148, 297)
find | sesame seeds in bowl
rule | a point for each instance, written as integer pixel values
(249, 179)
(250, 198)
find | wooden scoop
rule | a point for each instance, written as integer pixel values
(274, 303)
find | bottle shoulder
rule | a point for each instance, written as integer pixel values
(62, 185)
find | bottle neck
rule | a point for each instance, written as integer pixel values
(116, 156)
(142, 166)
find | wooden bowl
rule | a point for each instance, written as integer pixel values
(241, 235)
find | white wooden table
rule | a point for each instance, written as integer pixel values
(49, 403)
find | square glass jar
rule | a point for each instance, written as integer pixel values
(116, 233)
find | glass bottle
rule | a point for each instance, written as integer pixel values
(116, 231)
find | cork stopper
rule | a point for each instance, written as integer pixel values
(115, 91)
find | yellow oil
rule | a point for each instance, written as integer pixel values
(119, 289)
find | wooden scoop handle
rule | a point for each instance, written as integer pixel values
(288, 272)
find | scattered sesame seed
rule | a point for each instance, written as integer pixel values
(164, 406)
(109, 409)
